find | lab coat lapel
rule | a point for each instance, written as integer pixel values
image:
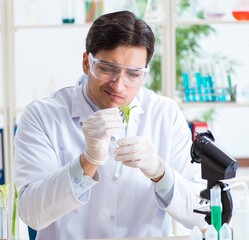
(80, 107)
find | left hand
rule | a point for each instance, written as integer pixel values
(138, 152)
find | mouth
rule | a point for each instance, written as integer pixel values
(114, 96)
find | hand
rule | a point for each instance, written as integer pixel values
(97, 130)
(138, 152)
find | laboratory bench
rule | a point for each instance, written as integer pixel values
(151, 238)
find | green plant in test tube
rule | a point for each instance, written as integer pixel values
(126, 110)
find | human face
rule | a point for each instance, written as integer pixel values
(119, 92)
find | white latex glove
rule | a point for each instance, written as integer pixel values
(98, 129)
(138, 152)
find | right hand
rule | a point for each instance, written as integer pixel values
(98, 129)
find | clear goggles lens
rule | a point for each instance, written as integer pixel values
(108, 72)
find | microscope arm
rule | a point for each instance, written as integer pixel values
(216, 165)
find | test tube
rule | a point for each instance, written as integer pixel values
(216, 207)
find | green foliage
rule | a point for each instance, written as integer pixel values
(14, 213)
(126, 110)
(4, 192)
(187, 47)
(208, 115)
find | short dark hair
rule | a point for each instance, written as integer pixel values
(122, 28)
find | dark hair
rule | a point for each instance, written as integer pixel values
(121, 28)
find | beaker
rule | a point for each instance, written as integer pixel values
(214, 10)
(241, 10)
(68, 11)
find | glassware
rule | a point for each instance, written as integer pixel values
(214, 10)
(68, 11)
(241, 10)
(93, 9)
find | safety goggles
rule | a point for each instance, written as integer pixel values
(109, 72)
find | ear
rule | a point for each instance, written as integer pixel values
(85, 63)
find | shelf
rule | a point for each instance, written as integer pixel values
(64, 26)
(207, 22)
(73, 25)
(213, 104)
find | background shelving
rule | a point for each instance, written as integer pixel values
(44, 55)
(41, 54)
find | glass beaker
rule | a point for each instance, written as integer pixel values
(214, 10)
(241, 10)
(68, 11)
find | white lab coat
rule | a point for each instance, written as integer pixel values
(49, 137)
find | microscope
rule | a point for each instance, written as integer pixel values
(216, 165)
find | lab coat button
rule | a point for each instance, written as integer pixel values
(114, 178)
(76, 180)
(112, 218)
(113, 138)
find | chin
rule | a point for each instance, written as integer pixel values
(111, 105)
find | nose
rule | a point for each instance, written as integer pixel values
(118, 83)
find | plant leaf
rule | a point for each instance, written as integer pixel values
(126, 110)
(4, 191)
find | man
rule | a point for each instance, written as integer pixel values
(69, 146)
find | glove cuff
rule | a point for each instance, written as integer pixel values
(160, 170)
(91, 160)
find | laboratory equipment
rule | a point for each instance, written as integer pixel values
(93, 9)
(211, 233)
(68, 11)
(225, 232)
(214, 10)
(216, 165)
(196, 234)
(241, 10)
(215, 205)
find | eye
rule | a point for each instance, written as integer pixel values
(134, 73)
(107, 69)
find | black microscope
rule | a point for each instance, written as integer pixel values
(216, 165)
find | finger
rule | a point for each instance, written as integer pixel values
(102, 126)
(129, 157)
(133, 164)
(107, 111)
(125, 149)
(133, 140)
(103, 118)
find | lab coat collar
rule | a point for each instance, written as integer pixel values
(80, 107)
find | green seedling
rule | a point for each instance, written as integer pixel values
(14, 213)
(3, 192)
(126, 110)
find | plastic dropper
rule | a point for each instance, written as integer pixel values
(211, 233)
(196, 234)
(225, 232)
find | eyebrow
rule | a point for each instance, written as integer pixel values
(119, 65)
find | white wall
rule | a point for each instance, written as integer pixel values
(47, 59)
